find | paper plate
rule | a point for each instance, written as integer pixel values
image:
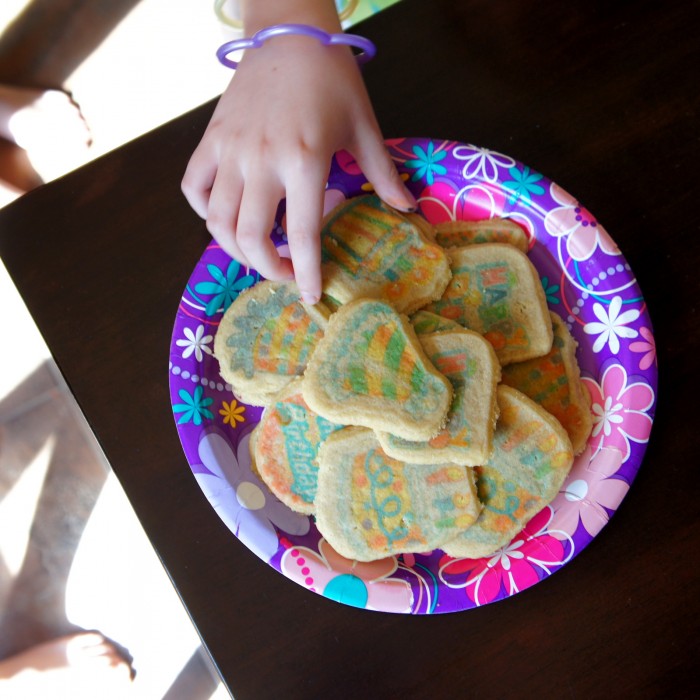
(586, 281)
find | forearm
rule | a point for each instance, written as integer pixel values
(258, 14)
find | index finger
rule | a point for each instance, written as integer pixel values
(304, 214)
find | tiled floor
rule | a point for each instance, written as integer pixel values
(63, 563)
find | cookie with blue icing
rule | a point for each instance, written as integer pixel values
(495, 290)
(370, 506)
(370, 369)
(531, 457)
(285, 448)
(265, 339)
(471, 366)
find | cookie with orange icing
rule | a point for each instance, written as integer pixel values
(471, 366)
(370, 369)
(370, 506)
(495, 290)
(285, 448)
(455, 234)
(531, 457)
(265, 339)
(554, 382)
(369, 250)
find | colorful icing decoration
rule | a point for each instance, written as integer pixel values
(370, 506)
(265, 339)
(554, 382)
(455, 234)
(495, 290)
(470, 364)
(370, 369)
(286, 446)
(531, 457)
(370, 250)
(425, 322)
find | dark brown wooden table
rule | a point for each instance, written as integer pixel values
(603, 98)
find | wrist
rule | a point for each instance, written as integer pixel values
(258, 14)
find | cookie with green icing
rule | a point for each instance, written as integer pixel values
(370, 250)
(531, 457)
(370, 506)
(471, 366)
(455, 234)
(370, 369)
(285, 448)
(265, 339)
(495, 290)
(425, 322)
(554, 382)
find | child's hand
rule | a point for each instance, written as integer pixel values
(289, 107)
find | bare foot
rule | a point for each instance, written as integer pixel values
(83, 665)
(41, 119)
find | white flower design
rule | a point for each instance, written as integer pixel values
(611, 325)
(604, 416)
(195, 343)
(481, 162)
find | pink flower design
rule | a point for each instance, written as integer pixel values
(362, 584)
(441, 202)
(588, 491)
(515, 567)
(646, 346)
(583, 233)
(620, 410)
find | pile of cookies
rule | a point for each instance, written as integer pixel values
(430, 400)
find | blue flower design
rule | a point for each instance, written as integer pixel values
(427, 164)
(225, 286)
(550, 290)
(524, 183)
(194, 406)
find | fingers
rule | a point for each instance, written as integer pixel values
(256, 219)
(305, 197)
(199, 178)
(379, 169)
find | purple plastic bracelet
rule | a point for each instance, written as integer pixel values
(367, 48)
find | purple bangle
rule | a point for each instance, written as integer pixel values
(367, 48)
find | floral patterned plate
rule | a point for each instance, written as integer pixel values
(586, 281)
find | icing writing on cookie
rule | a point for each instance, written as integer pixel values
(302, 436)
(505, 502)
(480, 297)
(394, 499)
(280, 333)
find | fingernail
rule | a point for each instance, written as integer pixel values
(406, 204)
(309, 297)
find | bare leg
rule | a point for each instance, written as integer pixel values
(83, 665)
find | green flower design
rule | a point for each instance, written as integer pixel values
(224, 287)
(427, 164)
(550, 290)
(524, 184)
(194, 407)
